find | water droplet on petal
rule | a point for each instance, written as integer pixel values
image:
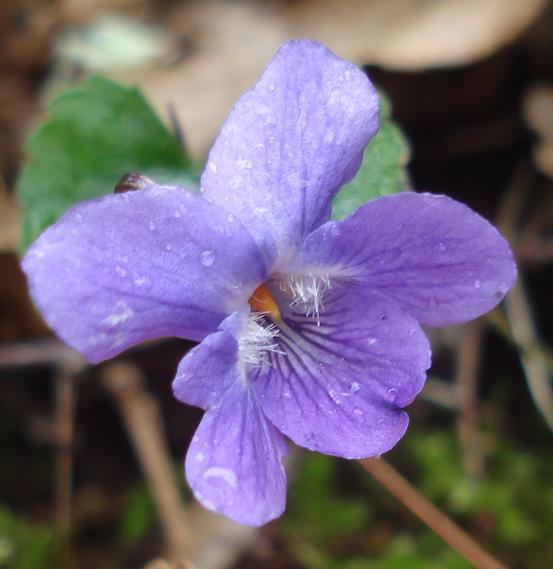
(230, 218)
(141, 281)
(271, 86)
(121, 271)
(213, 167)
(329, 137)
(354, 387)
(207, 258)
(334, 396)
(335, 230)
(168, 247)
(152, 226)
(477, 284)
(392, 392)
(442, 247)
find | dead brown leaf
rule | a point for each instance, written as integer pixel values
(415, 34)
(538, 112)
(231, 42)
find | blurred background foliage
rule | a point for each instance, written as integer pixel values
(100, 87)
(516, 519)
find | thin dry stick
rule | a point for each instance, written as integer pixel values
(536, 358)
(500, 323)
(435, 519)
(162, 564)
(142, 419)
(517, 302)
(63, 425)
(42, 352)
(441, 393)
(66, 364)
(466, 378)
(519, 314)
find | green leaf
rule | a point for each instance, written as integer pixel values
(138, 516)
(93, 136)
(317, 510)
(383, 171)
(24, 545)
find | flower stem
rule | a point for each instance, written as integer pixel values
(141, 415)
(435, 519)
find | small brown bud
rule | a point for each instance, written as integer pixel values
(131, 182)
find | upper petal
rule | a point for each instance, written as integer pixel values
(338, 383)
(434, 256)
(119, 270)
(290, 143)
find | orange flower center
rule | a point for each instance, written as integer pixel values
(262, 301)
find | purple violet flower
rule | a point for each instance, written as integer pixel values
(308, 328)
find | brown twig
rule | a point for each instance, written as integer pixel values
(141, 416)
(441, 393)
(518, 305)
(534, 363)
(500, 323)
(41, 352)
(468, 366)
(157, 564)
(63, 428)
(535, 250)
(162, 564)
(176, 125)
(435, 519)
(66, 364)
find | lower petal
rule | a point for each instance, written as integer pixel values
(234, 463)
(341, 382)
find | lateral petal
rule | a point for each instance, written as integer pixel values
(117, 271)
(435, 257)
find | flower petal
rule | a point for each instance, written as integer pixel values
(290, 143)
(234, 463)
(341, 384)
(130, 267)
(209, 369)
(437, 258)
